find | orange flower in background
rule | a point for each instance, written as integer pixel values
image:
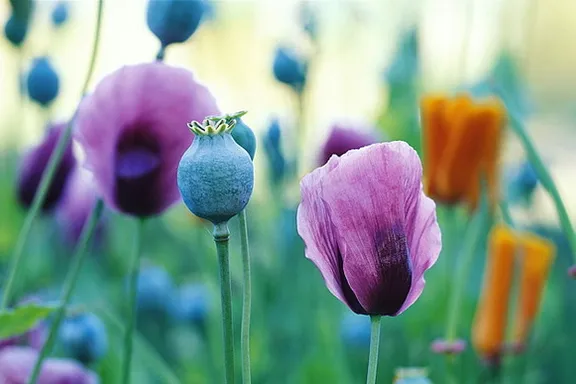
(489, 329)
(461, 141)
(538, 255)
(535, 256)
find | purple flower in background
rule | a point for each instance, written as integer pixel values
(342, 139)
(77, 203)
(369, 228)
(16, 364)
(133, 131)
(34, 163)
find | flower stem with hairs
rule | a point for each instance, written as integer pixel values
(69, 284)
(374, 349)
(247, 299)
(132, 302)
(221, 236)
(47, 176)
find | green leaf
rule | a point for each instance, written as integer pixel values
(17, 321)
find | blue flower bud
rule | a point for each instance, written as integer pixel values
(192, 304)
(289, 69)
(522, 183)
(83, 337)
(60, 13)
(174, 21)
(273, 151)
(215, 175)
(404, 66)
(355, 330)
(308, 19)
(244, 137)
(15, 30)
(22, 9)
(42, 82)
(155, 291)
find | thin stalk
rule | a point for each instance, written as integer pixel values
(471, 238)
(132, 301)
(374, 349)
(47, 176)
(221, 237)
(546, 181)
(247, 299)
(69, 284)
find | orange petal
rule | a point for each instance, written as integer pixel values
(537, 257)
(489, 327)
(434, 137)
(490, 119)
(462, 153)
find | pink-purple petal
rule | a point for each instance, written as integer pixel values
(133, 131)
(369, 228)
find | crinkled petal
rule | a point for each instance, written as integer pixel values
(371, 196)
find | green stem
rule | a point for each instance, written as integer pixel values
(546, 181)
(132, 302)
(69, 284)
(466, 257)
(506, 215)
(374, 349)
(47, 176)
(247, 299)
(221, 236)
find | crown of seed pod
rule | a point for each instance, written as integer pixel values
(215, 175)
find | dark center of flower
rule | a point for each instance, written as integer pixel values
(137, 171)
(395, 272)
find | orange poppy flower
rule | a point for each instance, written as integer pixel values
(537, 257)
(462, 141)
(489, 329)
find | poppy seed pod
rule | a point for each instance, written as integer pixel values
(215, 175)
(174, 21)
(15, 30)
(42, 82)
(244, 137)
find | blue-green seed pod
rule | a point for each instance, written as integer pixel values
(244, 137)
(215, 175)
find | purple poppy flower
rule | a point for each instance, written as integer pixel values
(77, 204)
(133, 131)
(369, 228)
(16, 364)
(34, 163)
(342, 139)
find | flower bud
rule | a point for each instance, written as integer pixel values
(244, 137)
(60, 13)
(174, 21)
(289, 68)
(42, 82)
(84, 337)
(15, 30)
